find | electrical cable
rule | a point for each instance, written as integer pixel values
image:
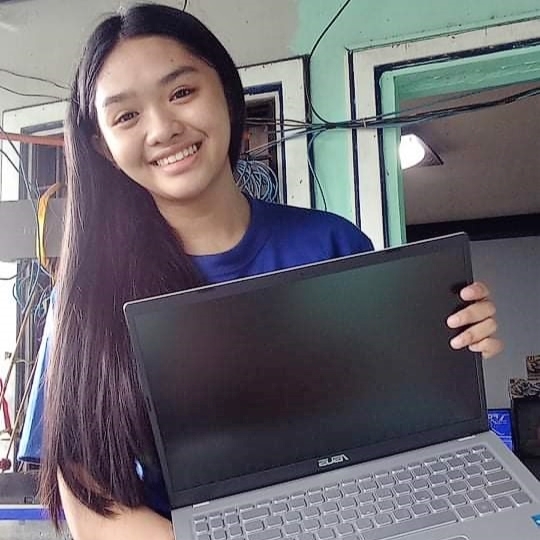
(8, 278)
(24, 94)
(34, 77)
(312, 169)
(310, 56)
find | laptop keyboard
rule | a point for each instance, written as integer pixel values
(465, 485)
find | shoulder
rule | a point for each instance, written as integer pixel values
(314, 226)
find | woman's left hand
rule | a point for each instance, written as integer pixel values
(479, 317)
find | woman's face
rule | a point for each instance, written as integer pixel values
(164, 119)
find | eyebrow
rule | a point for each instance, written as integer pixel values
(164, 81)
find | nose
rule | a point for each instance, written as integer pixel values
(162, 126)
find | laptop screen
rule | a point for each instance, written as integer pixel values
(259, 380)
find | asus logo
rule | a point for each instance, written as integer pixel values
(334, 460)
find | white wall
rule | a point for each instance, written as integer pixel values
(510, 267)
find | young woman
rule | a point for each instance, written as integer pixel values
(153, 134)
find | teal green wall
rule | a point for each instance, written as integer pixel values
(368, 23)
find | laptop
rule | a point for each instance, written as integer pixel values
(324, 402)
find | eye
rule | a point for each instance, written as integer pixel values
(181, 93)
(125, 117)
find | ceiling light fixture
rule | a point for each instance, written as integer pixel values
(414, 152)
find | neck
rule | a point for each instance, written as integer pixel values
(213, 223)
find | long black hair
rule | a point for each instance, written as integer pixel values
(116, 247)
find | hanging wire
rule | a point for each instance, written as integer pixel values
(258, 180)
(316, 44)
(33, 78)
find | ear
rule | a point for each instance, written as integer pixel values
(100, 146)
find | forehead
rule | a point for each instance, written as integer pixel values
(139, 63)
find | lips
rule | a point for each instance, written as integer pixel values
(179, 156)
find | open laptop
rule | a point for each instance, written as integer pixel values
(324, 402)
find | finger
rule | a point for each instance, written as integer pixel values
(474, 334)
(474, 291)
(474, 313)
(488, 347)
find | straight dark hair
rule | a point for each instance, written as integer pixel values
(116, 247)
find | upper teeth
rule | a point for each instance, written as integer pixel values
(189, 151)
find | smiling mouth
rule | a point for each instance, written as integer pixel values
(180, 156)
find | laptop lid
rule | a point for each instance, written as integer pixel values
(271, 378)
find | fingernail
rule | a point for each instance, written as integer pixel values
(453, 320)
(456, 342)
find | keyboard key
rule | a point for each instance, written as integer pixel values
(296, 504)
(368, 485)
(232, 519)
(326, 534)
(235, 530)
(386, 506)
(254, 525)
(383, 493)
(255, 513)
(420, 509)
(402, 514)
(404, 476)
(456, 463)
(478, 448)
(521, 498)
(438, 505)
(268, 534)
(437, 479)
(487, 455)
(328, 507)
(201, 527)
(484, 507)
(458, 486)
(420, 472)
(204, 537)
(344, 529)
(421, 483)
(438, 467)
(333, 494)
(383, 519)
(291, 529)
(462, 452)
(423, 496)
(466, 512)
(351, 489)
(477, 481)
(476, 495)
(499, 476)
(311, 512)
(491, 466)
(364, 498)
(410, 526)
(503, 488)
(273, 521)
(216, 523)
(473, 459)
(279, 508)
(386, 481)
(219, 534)
(472, 470)
(403, 489)
(347, 502)
(367, 510)
(446, 457)
(364, 524)
(455, 475)
(457, 500)
(293, 516)
(311, 524)
(440, 491)
(306, 536)
(503, 503)
(315, 498)
(330, 520)
(404, 500)
(349, 515)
